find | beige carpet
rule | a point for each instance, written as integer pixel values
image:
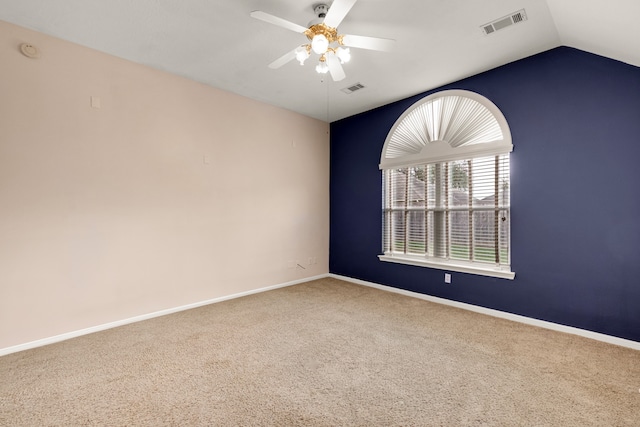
(324, 353)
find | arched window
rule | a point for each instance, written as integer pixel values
(446, 186)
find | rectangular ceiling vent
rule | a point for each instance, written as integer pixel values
(352, 88)
(504, 22)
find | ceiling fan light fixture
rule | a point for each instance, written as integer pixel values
(322, 68)
(302, 54)
(343, 54)
(319, 44)
(324, 40)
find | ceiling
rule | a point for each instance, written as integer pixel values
(216, 42)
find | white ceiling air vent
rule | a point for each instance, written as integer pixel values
(504, 22)
(352, 88)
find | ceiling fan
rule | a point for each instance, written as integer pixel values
(324, 39)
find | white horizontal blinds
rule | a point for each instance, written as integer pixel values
(484, 218)
(492, 209)
(395, 212)
(455, 210)
(434, 211)
(404, 211)
(445, 236)
(386, 225)
(503, 190)
(416, 231)
(479, 210)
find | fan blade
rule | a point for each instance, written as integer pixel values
(337, 11)
(372, 43)
(283, 59)
(278, 21)
(337, 73)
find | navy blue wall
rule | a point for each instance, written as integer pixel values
(575, 123)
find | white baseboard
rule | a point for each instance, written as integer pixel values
(496, 313)
(74, 334)
(501, 314)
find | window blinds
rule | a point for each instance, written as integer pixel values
(458, 210)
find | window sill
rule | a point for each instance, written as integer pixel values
(449, 265)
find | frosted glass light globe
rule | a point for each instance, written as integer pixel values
(319, 44)
(302, 54)
(322, 68)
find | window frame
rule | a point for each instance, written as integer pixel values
(424, 148)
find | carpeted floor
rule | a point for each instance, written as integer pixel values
(323, 353)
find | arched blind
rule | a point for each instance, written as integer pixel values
(446, 186)
(445, 126)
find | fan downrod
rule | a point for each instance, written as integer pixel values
(321, 10)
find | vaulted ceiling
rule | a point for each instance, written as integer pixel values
(216, 42)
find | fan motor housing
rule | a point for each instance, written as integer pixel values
(330, 33)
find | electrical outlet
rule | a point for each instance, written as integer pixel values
(447, 278)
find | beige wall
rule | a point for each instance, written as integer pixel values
(170, 193)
